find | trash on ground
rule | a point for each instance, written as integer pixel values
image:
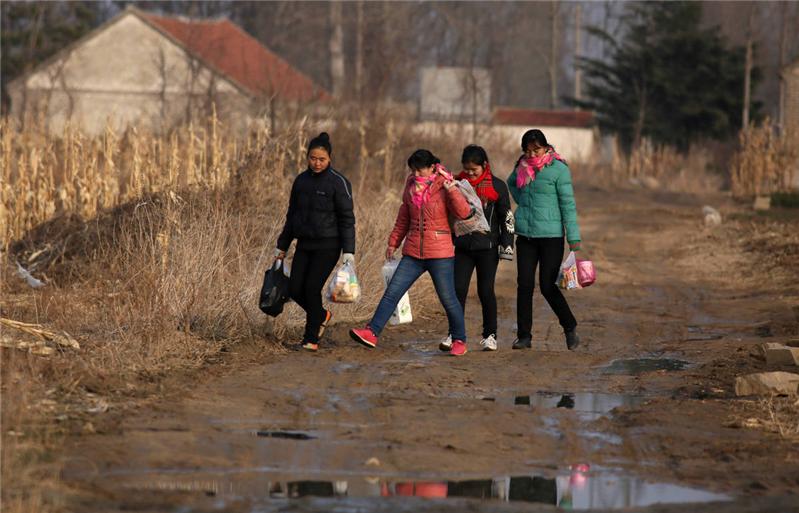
(712, 216)
(28, 277)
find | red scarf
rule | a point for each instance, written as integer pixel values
(483, 185)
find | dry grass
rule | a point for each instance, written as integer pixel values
(660, 167)
(765, 161)
(153, 250)
(779, 415)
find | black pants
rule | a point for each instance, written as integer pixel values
(548, 253)
(486, 261)
(309, 272)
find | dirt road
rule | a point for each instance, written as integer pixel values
(642, 413)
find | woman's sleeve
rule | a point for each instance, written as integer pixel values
(400, 226)
(514, 191)
(505, 215)
(346, 216)
(457, 204)
(568, 207)
(287, 235)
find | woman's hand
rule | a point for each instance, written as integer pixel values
(574, 246)
(449, 184)
(390, 253)
(279, 255)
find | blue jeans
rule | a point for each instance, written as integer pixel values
(442, 270)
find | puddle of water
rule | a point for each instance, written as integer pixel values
(588, 404)
(637, 366)
(573, 488)
(288, 435)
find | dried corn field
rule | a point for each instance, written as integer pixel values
(765, 162)
(136, 234)
(44, 176)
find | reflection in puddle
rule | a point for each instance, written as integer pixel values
(573, 488)
(587, 404)
(641, 365)
(566, 401)
(288, 435)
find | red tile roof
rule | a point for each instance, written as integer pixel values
(229, 50)
(534, 118)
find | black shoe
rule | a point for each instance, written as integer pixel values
(572, 340)
(523, 343)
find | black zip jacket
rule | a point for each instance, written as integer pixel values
(500, 218)
(320, 213)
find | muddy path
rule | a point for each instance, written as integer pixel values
(640, 414)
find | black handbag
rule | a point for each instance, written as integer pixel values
(275, 290)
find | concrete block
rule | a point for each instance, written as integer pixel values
(762, 349)
(767, 383)
(779, 354)
(762, 203)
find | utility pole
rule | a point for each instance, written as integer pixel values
(359, 50)
(336, 49)
(578, 74)
(748, 68)
(553, 56)
(783, 61)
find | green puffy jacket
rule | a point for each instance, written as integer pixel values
(546, 205)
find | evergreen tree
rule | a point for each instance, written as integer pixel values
(668, 79)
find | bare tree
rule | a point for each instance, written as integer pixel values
(748, 66)
(336, 49)
(577, 51)
(553, 54)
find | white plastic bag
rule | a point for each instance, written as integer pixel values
(402, 313)
(344, 286)
(567, 277)
(476, 222)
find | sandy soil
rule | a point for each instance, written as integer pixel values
(579, 429)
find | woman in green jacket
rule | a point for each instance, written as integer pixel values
(541, 185)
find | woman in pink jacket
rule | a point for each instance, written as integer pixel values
(429, 198)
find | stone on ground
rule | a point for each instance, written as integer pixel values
(778, 354)
(767, 383)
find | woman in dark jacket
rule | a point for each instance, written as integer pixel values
(482, 251)
(320, 216)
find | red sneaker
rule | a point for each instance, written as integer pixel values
(323, 327)
(364, 336)
(458, 348)
(310, 346)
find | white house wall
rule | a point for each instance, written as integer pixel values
(573, 144)
(128, 72)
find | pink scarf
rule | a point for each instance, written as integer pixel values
(529, 166)
(421, 185)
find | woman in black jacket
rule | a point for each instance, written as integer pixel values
(320, 216)
(482, 251)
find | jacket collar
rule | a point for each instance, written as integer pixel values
(320, 173)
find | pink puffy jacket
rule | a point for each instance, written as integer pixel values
(426, 231)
